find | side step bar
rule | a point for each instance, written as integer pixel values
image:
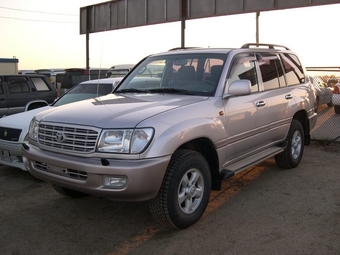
(250, 161)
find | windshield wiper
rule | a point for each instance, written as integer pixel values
(131, 90)
(171, 90)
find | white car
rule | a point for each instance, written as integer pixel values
(336, 98)
(14, 128)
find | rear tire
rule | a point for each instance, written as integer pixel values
(292, 154)
(184, 194)
(68, 192)
(337, 109)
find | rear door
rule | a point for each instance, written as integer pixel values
(3, 101)
(18, 92)
(279, 80)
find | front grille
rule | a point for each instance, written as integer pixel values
(10, 134)
(67, 138)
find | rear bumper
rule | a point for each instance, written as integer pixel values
(336, 99)
(312, 120)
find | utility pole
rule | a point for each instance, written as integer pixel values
(257, 28)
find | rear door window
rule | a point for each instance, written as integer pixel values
(17, 84)
(271, 71)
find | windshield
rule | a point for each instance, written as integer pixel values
(191, 74)
(84, 91)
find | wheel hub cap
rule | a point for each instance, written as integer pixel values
(192, 191)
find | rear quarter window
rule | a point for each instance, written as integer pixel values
(293, 69)
(40, 84)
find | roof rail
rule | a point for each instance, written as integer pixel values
(270, 46)
(183, 48)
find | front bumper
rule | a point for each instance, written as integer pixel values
(144, 177)
(10, 154)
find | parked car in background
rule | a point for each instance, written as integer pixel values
(19, 93)
(26, 72)
(323, 92)
(332, 81)
(336, 98)
(73, 76)
(119, 70)
(52, 74)
(14, 128)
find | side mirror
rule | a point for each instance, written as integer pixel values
(239, 88)
(115, 84)
(108, 74)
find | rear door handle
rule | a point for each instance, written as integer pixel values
(260, 103)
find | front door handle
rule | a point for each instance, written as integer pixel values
(260, 103)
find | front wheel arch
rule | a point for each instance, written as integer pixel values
(35, 104)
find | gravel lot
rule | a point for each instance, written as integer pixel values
(263, 210)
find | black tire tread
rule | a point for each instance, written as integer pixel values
(159, 206)
(337, 109)
(283, 159)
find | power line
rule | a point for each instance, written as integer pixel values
(54, 13)
(54, 21)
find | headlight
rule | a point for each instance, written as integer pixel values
(125, 140)
(33, 130)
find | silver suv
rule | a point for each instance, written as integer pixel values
(173, 138)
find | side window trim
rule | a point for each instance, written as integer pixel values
(243, 66)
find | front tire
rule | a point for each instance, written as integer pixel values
(292, 154)
(184, 194)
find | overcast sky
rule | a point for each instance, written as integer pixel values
(45, 34)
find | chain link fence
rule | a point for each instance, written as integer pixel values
(327, 128)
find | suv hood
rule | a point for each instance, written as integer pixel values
(117, 110)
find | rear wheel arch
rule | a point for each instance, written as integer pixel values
(301, 116)
(291, 156)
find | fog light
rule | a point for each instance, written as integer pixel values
(115, 182)
(26, 164)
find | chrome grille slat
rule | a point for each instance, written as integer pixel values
(75, 139)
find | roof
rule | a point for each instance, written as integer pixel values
(9, 60)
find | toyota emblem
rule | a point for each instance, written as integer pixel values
(60, 137)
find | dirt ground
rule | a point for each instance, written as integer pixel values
(263, 210)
